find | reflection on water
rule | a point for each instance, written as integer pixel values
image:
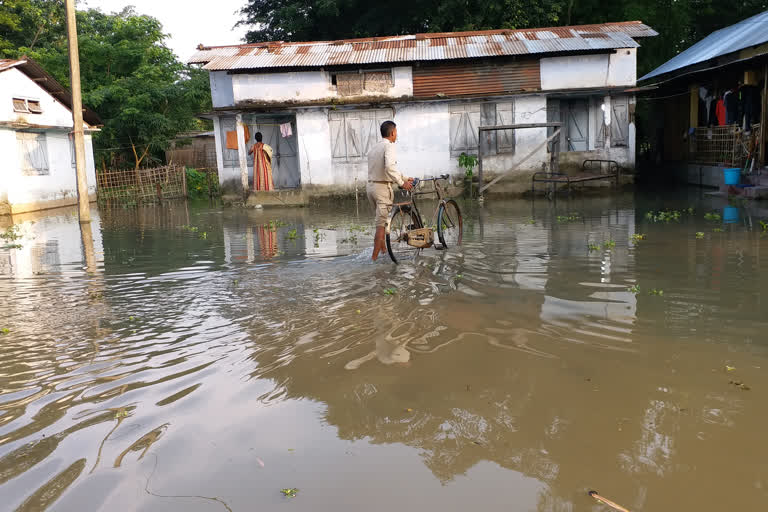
(184, 357)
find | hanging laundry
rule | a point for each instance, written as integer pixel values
(285, 130)
(720, 112)
(232, 137)
(712, 112)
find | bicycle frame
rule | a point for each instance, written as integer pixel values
(436, 189)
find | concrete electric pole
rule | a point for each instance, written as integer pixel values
(77, 113)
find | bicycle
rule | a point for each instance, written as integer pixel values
(406, 233)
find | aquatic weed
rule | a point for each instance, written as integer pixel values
(593, 247)
(292, 234)
(663, 216)
(699, 235)
(4, 331)
(204, 235)
(609, 244)
(656, 292)
(717, 230)
(573, 217)
(634, 289)
(638, 237)
(290, 492)
(764, 226)
(712, 216)
(13, 246)
(390, 291)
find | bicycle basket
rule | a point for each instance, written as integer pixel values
(420, 238)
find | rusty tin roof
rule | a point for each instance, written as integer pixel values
(423, 47)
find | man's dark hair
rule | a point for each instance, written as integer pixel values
(259, 137)
(387, 127)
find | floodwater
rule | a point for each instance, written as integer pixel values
(188, 357)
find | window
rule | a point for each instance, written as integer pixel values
(34, 106)
(20, 105)
(619, 121)
(72, 150)
(34, 153)
(505, 139)
(27, 106)
(356, 83)
(465, 120)
(353, 133)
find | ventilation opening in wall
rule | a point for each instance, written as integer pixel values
(333, 80)
(34, 106)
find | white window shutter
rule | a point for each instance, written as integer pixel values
(619, 122)
(505, 139)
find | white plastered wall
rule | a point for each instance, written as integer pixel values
(585, 71)
(59, 186)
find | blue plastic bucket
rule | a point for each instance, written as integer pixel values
(730, 215)
(732, 176)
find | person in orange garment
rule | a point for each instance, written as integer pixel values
(262, 164)
(382, 173)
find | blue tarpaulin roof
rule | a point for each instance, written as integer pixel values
(749, 32)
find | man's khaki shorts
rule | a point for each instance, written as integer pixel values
(381, 197)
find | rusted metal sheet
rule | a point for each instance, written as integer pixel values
(423, 47)
(475, 78)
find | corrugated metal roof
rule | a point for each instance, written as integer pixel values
(749, 32)
(423, 47)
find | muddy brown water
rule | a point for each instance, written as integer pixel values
(188, 357)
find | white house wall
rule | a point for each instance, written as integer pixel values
(15, 84)
(302, 86)
(222, 93)
(59, 186)
(585, 71)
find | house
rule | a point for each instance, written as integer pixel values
(708, 105)
(439, 88)
(37, 160)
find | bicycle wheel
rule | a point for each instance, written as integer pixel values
(401, 220)
(450, 225)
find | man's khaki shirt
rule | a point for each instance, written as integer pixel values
(382, 163)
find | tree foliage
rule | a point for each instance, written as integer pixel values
(141, 91)
(680, 22)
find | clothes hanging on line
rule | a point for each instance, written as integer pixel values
(285, 130)
(720, 112)
(731, 101)
(232, 137)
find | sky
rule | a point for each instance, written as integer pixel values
(188, 22)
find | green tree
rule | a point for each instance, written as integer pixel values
(303, 20)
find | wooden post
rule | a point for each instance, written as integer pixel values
(184, 182)
(77, 114)
(242, 153)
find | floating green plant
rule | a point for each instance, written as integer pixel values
(292, 234)
(717, 230)
(593, 247)
(290, 492)
(634, 289)
(609, 244)
(390, 291)
(11, 234)
(4, 331)
(638, 237)
(656, 292)
(699, 235)
(664, 216)
(573, 217)
(712, 216)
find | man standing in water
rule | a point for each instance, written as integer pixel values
(382, 173)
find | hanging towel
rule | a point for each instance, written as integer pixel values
(232, 140)
(720, 112)
(232, 137)
(285, 130)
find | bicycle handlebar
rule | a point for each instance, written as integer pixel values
(416, 181)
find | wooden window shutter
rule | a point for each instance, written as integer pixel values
(619, 122)
(505, 139)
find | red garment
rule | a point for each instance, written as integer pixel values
(720, 112)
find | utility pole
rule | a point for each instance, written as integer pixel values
(77, 113)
